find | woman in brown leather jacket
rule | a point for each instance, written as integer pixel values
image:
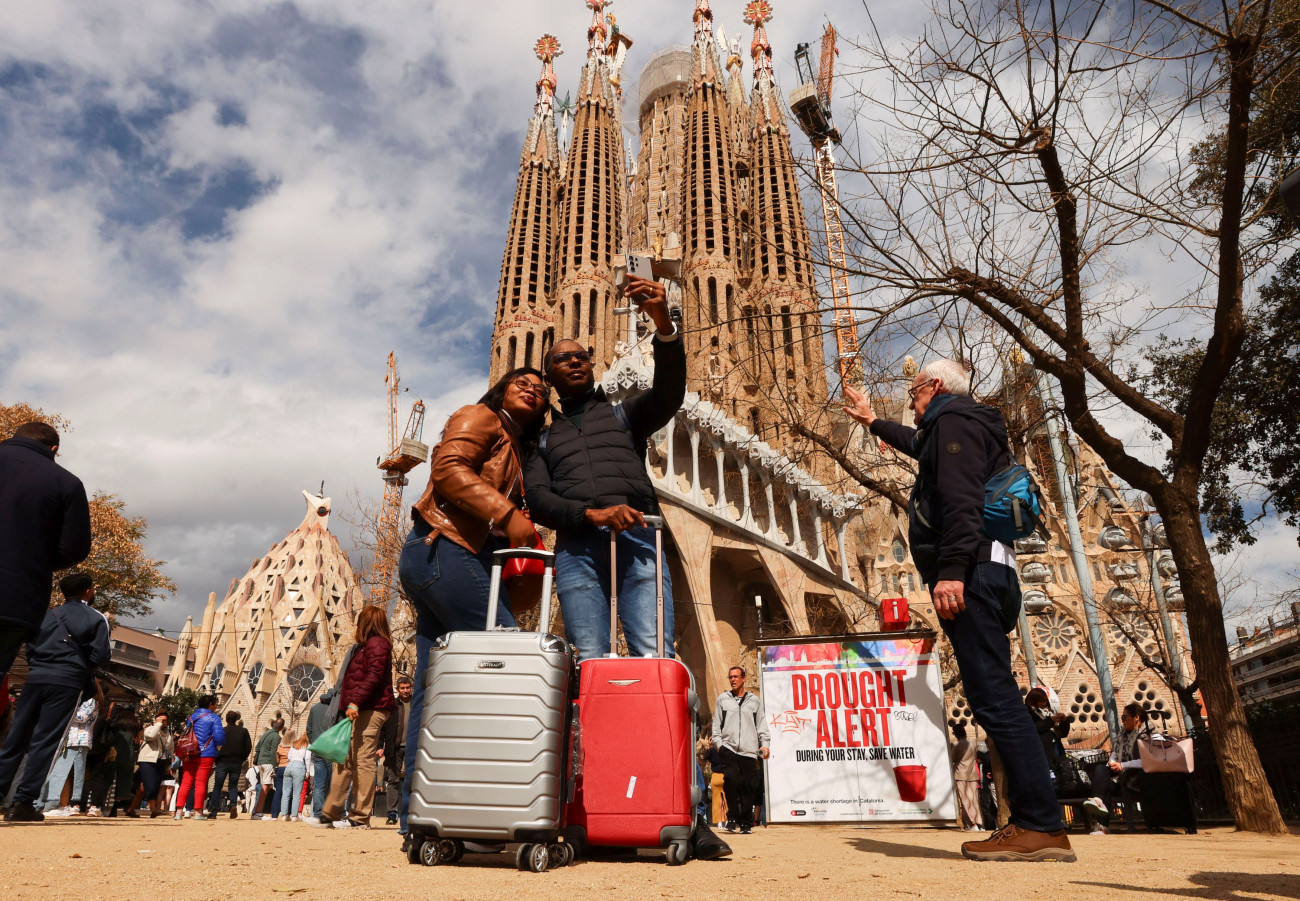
(470, 509)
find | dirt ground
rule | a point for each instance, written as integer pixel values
(240, 860)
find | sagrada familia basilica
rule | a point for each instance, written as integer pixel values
(767, 531)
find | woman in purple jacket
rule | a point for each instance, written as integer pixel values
(367, 697)
(196, 770)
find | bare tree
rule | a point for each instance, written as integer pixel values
(1022, 152)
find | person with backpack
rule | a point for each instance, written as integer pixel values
(198, 748)
(72, 643)
(960, 446)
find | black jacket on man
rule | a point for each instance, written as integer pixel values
(593, 455)
(960, 444)
(238, 745)
(44, 527)
(72, 643)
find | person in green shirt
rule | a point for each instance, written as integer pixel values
(264, 758)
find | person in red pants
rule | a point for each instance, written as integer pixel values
(196, 770)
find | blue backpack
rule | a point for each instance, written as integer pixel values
(1012, 504)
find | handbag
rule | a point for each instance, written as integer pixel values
(1161, 754)
(334, 743)
(187, 746)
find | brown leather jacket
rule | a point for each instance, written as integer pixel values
(474, 474)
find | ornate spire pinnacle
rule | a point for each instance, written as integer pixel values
(758, 13)
(703, 18)
(547, 49)
(598, 33)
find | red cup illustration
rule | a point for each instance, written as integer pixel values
(911, 782)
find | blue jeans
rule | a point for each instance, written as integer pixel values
(74, 760)
(979, 641)
(320, 783)
(582, 580)
(448, 587)
(295, 774)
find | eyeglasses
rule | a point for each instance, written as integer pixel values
(913, 392)
(524, 383)
(565, 356)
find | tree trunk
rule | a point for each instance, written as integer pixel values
(1249, 796)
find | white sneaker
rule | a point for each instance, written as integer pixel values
(310, 821)
(189, 814)
(1095, 805)
(322, 824)
(59, 812)
(1098, 831)
(344, 824)
(94, 812)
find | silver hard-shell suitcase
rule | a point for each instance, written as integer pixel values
(490, 762)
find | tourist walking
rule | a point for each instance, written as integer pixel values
(230, 763)
(71, 644)
(44, 527)
(367, 696)
(76, 751)
(264, 756)
(958, 445)
(322, 716)
(196, 770)
(295, 774)
(966, 773)
(470, 509)
(741, 737)
(395, 747)
(152, 763)
(113, 749)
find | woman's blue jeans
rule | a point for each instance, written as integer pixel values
(295, 774)
(448, 587)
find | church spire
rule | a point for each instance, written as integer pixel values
(598, 32)
(522, 328)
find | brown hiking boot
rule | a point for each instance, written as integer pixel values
(1013, 843)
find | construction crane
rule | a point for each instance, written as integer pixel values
(811, 105)
(406, 451)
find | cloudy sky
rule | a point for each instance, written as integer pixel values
(218, 216)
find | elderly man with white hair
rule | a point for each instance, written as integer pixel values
(958, 445)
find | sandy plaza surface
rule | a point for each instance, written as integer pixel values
(242, 860)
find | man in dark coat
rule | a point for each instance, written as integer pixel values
(70, 645)
(44, 527)
(394, 738)
(587, 478)
(958, 445)
(231, 759)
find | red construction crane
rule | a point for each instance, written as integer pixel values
(811, 105)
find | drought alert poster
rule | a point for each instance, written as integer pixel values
(858, 732)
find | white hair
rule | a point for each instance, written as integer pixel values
(956, 380)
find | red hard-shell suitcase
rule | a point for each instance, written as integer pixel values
(637, 725)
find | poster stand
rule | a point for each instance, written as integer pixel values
(858, 729)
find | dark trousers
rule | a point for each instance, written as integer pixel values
(40, 721)
(12, 639)
(1105, 783)
(394, 770)
(228, 772)
(979, 641)
(740, 786)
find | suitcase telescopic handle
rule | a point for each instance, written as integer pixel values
(656, 523)
(499, 559)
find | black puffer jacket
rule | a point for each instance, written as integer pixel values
(72, 643)
(959, 446)
(601, 462)
(44, 527)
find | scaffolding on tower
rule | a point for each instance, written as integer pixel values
(406, 451)
(811, 105)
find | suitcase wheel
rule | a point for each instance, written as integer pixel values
(429, 855)
(533, 857)
(413, 845)
(678, 853)
(561, 854)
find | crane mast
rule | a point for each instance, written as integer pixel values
(406, 451)
(811, 105)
